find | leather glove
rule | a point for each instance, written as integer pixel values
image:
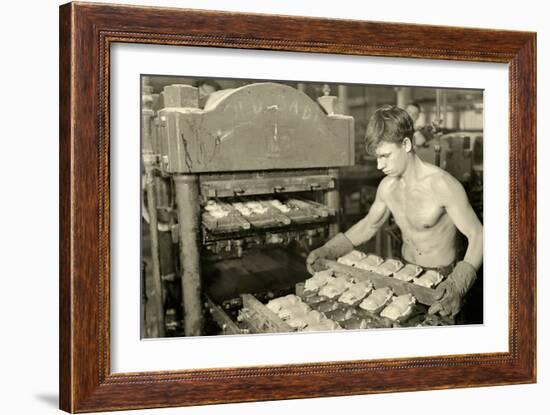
(453, 290)
(333, 249)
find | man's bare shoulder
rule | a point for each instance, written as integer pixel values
(442, 182)
(387, 185)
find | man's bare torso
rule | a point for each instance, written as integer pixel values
(429, 235)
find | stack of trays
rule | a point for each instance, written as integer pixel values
(302, 211)
(233, 215)
(261, 214)
(299, 315)
(222, 217)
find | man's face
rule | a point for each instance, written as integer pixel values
(391, 158)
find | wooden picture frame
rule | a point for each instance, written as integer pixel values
(86, 33)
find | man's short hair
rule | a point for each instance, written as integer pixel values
(388, 123)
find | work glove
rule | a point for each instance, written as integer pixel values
(453, 290)
(333, 249)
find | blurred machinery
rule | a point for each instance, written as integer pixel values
(461, 154)
(458, 151)
(239, 190)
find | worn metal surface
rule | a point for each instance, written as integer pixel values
(187, 201)
(157, 294)
(264, 183)
(261, 319)
(256, 127)
(227, 325)
(177, 96)
(332, 201)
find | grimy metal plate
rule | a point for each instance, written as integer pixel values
(261, 126)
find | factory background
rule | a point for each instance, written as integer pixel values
(449, 120)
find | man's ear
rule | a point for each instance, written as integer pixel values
(407, 143)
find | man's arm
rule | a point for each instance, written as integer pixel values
(359, 233)
(367, 227)
(454, 200)
(458, 283)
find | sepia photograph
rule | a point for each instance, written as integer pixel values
(260, 207)
(283, 206)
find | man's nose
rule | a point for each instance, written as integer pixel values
(379, 164)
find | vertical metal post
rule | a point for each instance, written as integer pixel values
(388, 247)
(332, 200)
(438, 106)
(142, 325)
(343, 98)
(157, 296)
(149, 163)
(437, 145)
(378, 242)
(188, 208)
(403, 96)
(444, 112)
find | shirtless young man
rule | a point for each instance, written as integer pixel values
(428, 204)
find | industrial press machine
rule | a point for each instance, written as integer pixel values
(249, 182)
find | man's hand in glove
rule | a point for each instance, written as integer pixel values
(453, 290)
(333, 249)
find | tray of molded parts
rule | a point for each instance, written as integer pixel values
(352, 316)
(301, 316)
(259, 213)
(283, 314)
(260, 319)
(424, 295)
(347, 316)
(302, 211)
(221, 217)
